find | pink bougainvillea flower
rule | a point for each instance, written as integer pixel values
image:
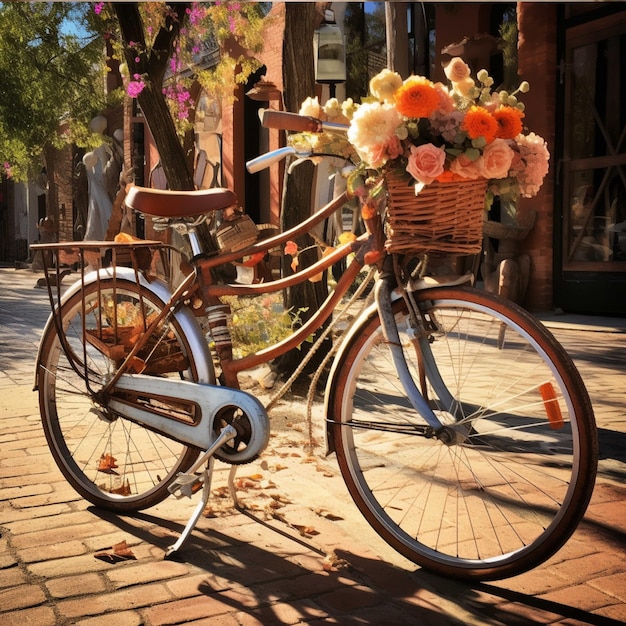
(98, 8)
(135, 87)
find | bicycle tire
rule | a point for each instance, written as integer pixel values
(509, 493)
(112, 462)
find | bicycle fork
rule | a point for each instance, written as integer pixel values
(383, 290)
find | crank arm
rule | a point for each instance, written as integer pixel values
(184, 483)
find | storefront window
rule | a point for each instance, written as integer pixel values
(595, 221)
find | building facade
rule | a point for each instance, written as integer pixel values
(572, 54)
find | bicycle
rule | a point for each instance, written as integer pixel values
(461, 427)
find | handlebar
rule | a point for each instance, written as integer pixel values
(283, 120)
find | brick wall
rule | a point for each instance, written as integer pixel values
(537, 61)
(60, 190)
(272, 58)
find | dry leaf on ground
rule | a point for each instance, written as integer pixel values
(119, 552)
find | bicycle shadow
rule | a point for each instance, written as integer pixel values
(276, 577)
(494, 604)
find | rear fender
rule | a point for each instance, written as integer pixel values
(188, 322)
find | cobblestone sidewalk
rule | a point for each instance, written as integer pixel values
(300, 552)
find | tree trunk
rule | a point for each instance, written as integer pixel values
(168, 144)
(151, 67)
(299, 81)
(397, 37)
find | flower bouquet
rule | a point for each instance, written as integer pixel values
(442, 153)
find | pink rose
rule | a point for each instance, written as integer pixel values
(463, 166)
(426, 163)
(457, 70)
(496, 159)
(446, 103)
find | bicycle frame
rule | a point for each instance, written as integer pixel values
(144, 360)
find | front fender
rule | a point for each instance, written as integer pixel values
(188, 322)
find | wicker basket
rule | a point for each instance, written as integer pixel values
(444, 218)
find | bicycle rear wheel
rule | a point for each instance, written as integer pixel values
(514, 482)
(110, 461)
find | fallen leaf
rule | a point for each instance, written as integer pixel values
(123, 549)
(278, 498)
(328, 515)
(106, 463)
(122, 490)
(119, 552)
(243, 484)
(305, 531)
(332, 561)
(221, 492)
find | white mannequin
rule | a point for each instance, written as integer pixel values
(96, 162)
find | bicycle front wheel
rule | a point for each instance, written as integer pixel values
(514, 477)
(110, 461)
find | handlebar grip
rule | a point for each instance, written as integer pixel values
(265, 160)
(283, 120)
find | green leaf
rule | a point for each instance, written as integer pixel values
(479, 142)
(472, 154)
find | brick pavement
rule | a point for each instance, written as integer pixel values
(270, 564)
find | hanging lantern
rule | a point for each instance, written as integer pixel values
(330, 52)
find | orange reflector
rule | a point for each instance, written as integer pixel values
(551, 404)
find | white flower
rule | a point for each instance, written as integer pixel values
(385, 84)
(311, 107)
(373, 132)
(332, 108)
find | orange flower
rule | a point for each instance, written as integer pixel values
(369, 209)
(417, 97)
(291, 248)
(449, 177)
(509, 122)
(478, 122)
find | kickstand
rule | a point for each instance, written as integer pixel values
(206, 477)
(184, 485)
(231, 486)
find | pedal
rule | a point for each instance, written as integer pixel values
(186, 485)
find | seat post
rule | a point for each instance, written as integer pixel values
(194, 241)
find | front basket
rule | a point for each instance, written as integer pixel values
(444, 218)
